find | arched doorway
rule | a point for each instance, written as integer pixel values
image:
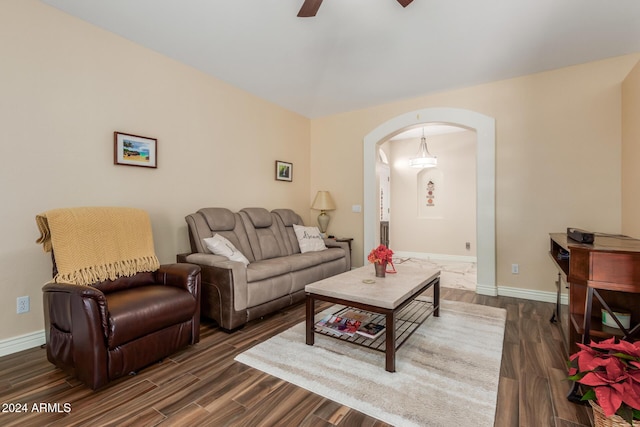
(485, 211)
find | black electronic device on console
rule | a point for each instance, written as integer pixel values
(578, 235)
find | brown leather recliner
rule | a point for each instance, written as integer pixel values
(111, 308)
(101, 332)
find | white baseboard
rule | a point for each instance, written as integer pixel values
(486, 290)
(440, 257)
(23, 342)
(489, 290)
(542, 296)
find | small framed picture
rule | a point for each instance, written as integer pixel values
(135, 150)
(284, 171)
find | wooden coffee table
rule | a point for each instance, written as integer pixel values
(393, 297)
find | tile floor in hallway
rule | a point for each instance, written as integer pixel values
(453, 274)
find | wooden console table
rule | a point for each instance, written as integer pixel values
(603, 275)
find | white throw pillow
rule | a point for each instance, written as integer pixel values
(309, 238)
(220, 245)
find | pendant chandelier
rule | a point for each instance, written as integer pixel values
(423, 158)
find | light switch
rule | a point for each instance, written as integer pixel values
(356, 208)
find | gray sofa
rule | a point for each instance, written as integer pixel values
(232, 293)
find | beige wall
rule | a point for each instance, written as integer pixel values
(631, 153)
(66, 86)
(558, 149)
(445, 227)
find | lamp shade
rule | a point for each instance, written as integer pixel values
(323, 201)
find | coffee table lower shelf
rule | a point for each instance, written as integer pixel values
(408, 320)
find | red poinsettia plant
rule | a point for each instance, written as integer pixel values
(380, 255)
(610, 371)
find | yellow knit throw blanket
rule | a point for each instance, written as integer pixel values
(94, 244)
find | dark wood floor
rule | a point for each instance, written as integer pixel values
(202, 385)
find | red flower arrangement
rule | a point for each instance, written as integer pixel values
(380, 255)
(611, 371)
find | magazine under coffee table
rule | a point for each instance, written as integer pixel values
(392, 300)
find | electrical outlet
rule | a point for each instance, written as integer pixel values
(468, 245)
(22, 305)
(515, 269)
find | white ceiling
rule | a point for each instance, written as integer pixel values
(360, 53)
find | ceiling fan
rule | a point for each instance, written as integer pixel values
(310, 7)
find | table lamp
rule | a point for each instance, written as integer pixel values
(323, 202)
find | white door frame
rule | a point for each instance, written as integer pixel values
(485, 128)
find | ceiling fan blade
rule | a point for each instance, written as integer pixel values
(405, 3)
(309, 8)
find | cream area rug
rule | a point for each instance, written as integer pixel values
(447, 372)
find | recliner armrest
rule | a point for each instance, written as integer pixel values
(187, 277)
(180, 275)
(73, 292)
(84, 291)
(77, 316)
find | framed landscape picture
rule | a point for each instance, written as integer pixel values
(284, 171)
(135, 150)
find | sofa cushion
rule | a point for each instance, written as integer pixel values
(260, 217)
(309, 238)
(288, 217)
(261, 270)
(210, 221)
(267, 268)
(219, 219)
(285, 218)
(264, 236)
(221, 246)
(310, 259)
(140, 311)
